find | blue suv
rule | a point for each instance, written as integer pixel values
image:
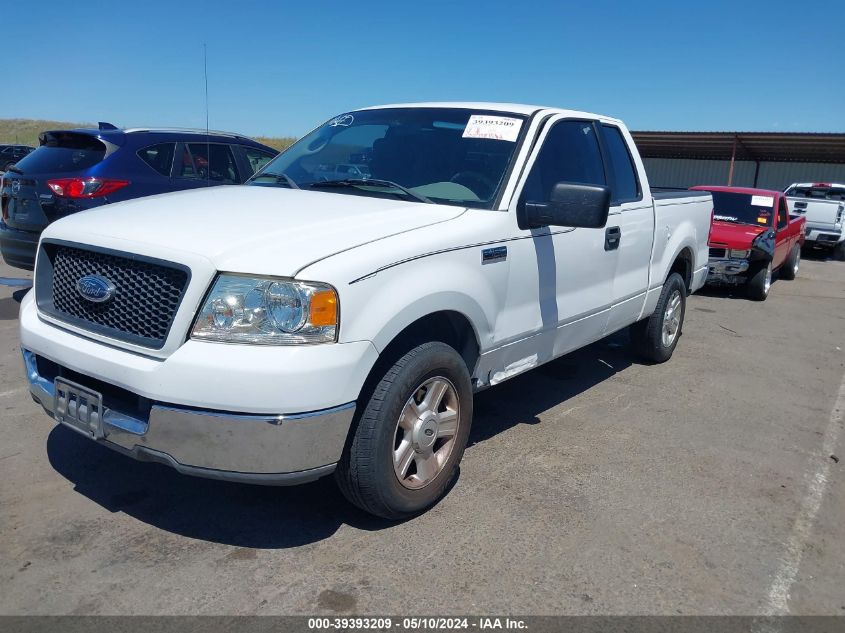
(73, 170)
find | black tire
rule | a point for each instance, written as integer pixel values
(759, 281)
(365, 473)
(647, 335)
(838, 252)
(789, 269)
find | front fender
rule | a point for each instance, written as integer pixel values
(763, 246)
(377, 308)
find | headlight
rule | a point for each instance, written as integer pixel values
(739, 254)
(268, 311)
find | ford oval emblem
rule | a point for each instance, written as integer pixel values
(95, 288)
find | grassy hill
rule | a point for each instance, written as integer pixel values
(26, 131)
(279, 142)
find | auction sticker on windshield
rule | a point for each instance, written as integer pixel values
(500, 128)
(762, 201)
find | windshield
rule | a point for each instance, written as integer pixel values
(819, 192)
(445, 155)
(743, 208)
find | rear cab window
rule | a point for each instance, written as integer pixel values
(64, 152)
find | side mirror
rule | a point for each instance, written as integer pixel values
(584, 206)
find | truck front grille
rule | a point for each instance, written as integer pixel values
(147, 292)
(718, 253)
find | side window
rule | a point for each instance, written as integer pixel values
(208, 161)
(624, 186)
(783, 214)
(159, 157)
(570, 153)
(185, 168)
(257, 158)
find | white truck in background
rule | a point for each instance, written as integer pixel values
(823, 204)
(295, 327)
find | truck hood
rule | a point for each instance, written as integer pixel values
(250, 229)
(730, 235)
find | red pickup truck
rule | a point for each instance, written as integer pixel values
(752, 235)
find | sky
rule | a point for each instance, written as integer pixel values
(279, 68)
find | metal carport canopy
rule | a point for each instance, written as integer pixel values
(753, 146)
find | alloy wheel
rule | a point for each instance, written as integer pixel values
(672, 319)
(425, 432)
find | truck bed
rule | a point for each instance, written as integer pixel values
(663, 193)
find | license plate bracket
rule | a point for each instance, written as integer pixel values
(78, 407)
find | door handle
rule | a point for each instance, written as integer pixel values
(612, 237)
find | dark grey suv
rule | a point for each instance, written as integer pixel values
(10, 154)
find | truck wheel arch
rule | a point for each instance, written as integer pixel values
(683, 265)
(446, 326)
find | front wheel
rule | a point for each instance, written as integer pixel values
(839, 252)
(655, 338)
(760, 282)
(408, 442)
(789, 270)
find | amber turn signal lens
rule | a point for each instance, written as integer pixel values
(324, 308)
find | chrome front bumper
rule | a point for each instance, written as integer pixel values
(252, 448)
(727, 271)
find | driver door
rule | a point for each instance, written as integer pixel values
(561, 278)
(782, 243)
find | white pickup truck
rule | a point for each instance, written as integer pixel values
(280, 331)
(823, 204)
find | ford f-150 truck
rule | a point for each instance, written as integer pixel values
(823, 205)
(297, 326)
(752, 236)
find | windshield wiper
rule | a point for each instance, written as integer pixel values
(277, 178)
(370, 182)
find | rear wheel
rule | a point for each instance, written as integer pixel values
(789, 270)
(409, 440)
(656, 337)
(760, 281)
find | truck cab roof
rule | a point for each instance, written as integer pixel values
(513, 108)
(745, 190)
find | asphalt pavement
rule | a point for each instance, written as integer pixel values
(711, 484)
